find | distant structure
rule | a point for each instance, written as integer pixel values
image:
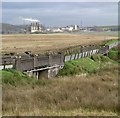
(72, 28)
(36, 27)
(76, 27)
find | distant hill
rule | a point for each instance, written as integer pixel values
(11, 29)
(106, 28)
(112, 28)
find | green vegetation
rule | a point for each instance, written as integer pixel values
(85, 65)
(111, 41)
(114, 54)
(108, 42)
(15, 78)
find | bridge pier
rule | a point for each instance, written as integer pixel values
(45, 73)
(52, 72)
(36, 75)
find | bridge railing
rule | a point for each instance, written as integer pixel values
(113, 44)
(83, 54)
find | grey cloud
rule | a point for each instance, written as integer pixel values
(62, 13)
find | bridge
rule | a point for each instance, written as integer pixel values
(47, 66)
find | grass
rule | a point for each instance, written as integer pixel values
(15, 78)
(111, 41)
(114, 54)
(85, 65)
(94, 94)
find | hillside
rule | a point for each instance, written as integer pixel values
(14, 29)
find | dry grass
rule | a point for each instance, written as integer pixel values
(78, 95)
(47, 42)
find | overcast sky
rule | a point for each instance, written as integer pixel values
(61, 13)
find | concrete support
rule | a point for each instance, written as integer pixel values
(44, 74)
(50, 60)
(53, 72)
(34, 75)
(18, 63)
(35, 61)
(14, 63)
(61, 59)
(29, 73)
(37, 75)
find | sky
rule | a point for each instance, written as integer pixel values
(61, 13)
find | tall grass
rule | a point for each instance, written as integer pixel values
(76, 95)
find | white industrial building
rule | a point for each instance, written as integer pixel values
(36, 27)
(57, 30)
(72, 28)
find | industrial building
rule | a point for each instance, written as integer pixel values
(36, 27)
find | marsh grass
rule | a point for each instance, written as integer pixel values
(95, 94)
